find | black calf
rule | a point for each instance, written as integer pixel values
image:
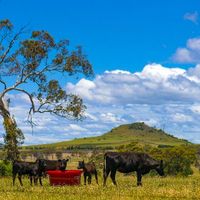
(88, 170)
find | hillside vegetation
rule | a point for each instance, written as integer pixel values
(121, 135)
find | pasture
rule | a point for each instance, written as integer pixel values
(154, 188)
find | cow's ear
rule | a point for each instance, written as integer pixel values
(37, 160)
(67, 159)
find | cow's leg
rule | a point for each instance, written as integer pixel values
(39, 176)
(40, 180)
(14, 177)
(85, 176)
(35, 180)
(96, 177)
(31, 179)
(89, 178)
(139, 178)
(106, 172)
(112, 175)
(20, 179)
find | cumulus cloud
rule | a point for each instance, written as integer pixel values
(190, 53)
(193, 17)
(167, 98)
(160, 96)
(155, 84)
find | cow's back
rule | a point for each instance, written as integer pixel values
(23, 167)
(90, 167)
(126, 162)
(121, 161)
(51, 165)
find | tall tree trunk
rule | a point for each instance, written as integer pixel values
(13, 135)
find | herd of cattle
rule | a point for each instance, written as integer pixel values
(125, 162)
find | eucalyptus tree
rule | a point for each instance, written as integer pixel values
(30, 64)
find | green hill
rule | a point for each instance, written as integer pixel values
(124, 134)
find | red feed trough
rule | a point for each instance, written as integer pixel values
(64, 177)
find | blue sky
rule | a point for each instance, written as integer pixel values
(150, 46)
(126, 34)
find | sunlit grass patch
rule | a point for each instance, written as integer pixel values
(153, 188)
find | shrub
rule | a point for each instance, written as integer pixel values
(5, 168)
(177, 160)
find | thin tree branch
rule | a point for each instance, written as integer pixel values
(21, 90)
(11, 44)
(30, 98)
(3, 84)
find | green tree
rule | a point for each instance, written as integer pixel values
(35, 63)
(177, 160)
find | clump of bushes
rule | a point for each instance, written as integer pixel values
(177, 160)
(138, 126)
(5, 168)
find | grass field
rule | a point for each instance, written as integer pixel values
(153, 188)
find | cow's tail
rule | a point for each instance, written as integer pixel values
(104, 164)
(13, 166)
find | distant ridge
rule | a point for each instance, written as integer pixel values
(123, 134)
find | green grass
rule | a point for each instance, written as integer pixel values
(124, 134)
(154, 188)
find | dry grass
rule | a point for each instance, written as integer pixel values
(153, 188)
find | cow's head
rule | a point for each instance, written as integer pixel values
(81, 164)
(41, 164)
(160, 169)
(63, 163)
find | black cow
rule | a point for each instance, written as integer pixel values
(88, 170)
(32, 169)
(60, 164)
(126, 162)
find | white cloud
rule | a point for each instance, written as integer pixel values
(155, 84)
(193, 17)
(158, 73)
(150, 122)
(179, 117)
(90, 116)
(75, 127)
(190, 53)
(195, 108)
(34, 139)
(159, 96)
(167, 98)
(194, 44)
(117, 71)
(111, 118)
(84, 87)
